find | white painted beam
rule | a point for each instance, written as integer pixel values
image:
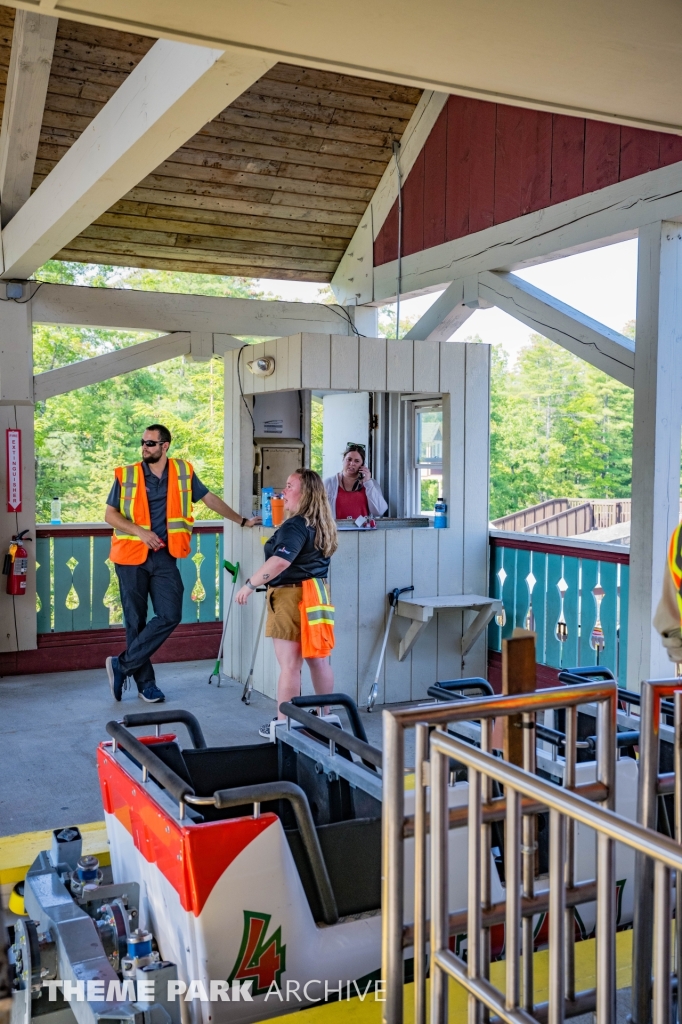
(171, 94)
(580, 334)
(125, 309)
(606, 61)
(112, 364)
(444, 317)
(599, 218)
(656, 442)
(22, 115)
(224, 343)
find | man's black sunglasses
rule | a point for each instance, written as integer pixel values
(149, 444)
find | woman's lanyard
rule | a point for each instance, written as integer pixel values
(357, 486)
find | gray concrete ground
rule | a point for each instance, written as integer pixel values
(50, 726)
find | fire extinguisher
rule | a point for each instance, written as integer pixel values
(16, 565)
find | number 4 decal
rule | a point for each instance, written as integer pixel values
(260, 958)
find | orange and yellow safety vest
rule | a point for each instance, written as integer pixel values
(126, 548)
(317, 619)
(675, 564)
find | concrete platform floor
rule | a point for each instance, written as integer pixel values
(50, 725)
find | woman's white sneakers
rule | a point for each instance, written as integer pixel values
(265, 729)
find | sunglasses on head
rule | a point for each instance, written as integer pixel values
(351, 446)
(149, 444)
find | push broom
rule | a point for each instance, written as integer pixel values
(234, 572)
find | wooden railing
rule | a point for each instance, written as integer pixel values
(77, 587)
(573, 594)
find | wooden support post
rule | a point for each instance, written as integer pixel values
(656, 441)
(17, 614)
(518, 676)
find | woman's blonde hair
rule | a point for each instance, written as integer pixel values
(315, 508)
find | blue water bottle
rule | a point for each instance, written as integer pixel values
(266, 502)
(440, 518)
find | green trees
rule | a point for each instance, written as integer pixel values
(83, 435)
(559, 428)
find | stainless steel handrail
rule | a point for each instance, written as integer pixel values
(564, 806)
(651, 785)
(396, 826)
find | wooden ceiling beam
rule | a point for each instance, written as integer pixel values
(28, 76)
(237, 118)
(258, 231)
(282, 174)
(169, 95)
(190, 267)
(243, 205)
(202, 254)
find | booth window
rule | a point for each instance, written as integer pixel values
(428, 456)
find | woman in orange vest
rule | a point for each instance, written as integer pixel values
(150, 509)
(668, 617)
(300, 617)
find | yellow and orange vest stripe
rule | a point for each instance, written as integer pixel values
(675, 564)
(126, 548)
(317, 620)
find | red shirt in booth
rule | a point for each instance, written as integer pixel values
(351, 504)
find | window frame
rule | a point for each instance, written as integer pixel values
(415, 466)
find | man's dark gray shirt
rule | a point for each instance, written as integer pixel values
(157, 496)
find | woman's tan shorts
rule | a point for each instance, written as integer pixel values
(284, 618)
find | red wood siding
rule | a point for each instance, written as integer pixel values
(486, 163)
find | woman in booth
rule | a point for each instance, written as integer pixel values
(352, 492)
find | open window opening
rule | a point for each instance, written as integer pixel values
(427, 452)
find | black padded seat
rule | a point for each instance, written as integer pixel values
(352, 853)
(228, 768)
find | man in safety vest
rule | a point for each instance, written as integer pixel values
(668, 617)
(150, 509)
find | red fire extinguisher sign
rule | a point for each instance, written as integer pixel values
(13, 470)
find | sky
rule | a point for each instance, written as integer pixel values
(601, 283)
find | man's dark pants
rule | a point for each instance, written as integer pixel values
(158, 578)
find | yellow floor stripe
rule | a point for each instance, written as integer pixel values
(17, 853)
(369, 1011)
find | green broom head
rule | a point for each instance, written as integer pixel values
(232, 569)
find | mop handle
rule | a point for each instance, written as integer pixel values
(234, 573)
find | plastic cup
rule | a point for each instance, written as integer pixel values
(277, 511)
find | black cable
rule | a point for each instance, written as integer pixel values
(343, 313)
(241, 390)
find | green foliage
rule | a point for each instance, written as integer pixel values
(82, 436)
(429, 489)
(316, 410)
(559, 428)
(387, 323)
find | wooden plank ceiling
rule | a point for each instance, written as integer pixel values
(273, 187)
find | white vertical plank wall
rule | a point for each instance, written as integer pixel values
(368, 565)
(344, 362)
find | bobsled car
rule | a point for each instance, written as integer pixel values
(247, 879)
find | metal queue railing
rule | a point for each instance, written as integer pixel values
(654, 784)
(566, 808)
(522, 901)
